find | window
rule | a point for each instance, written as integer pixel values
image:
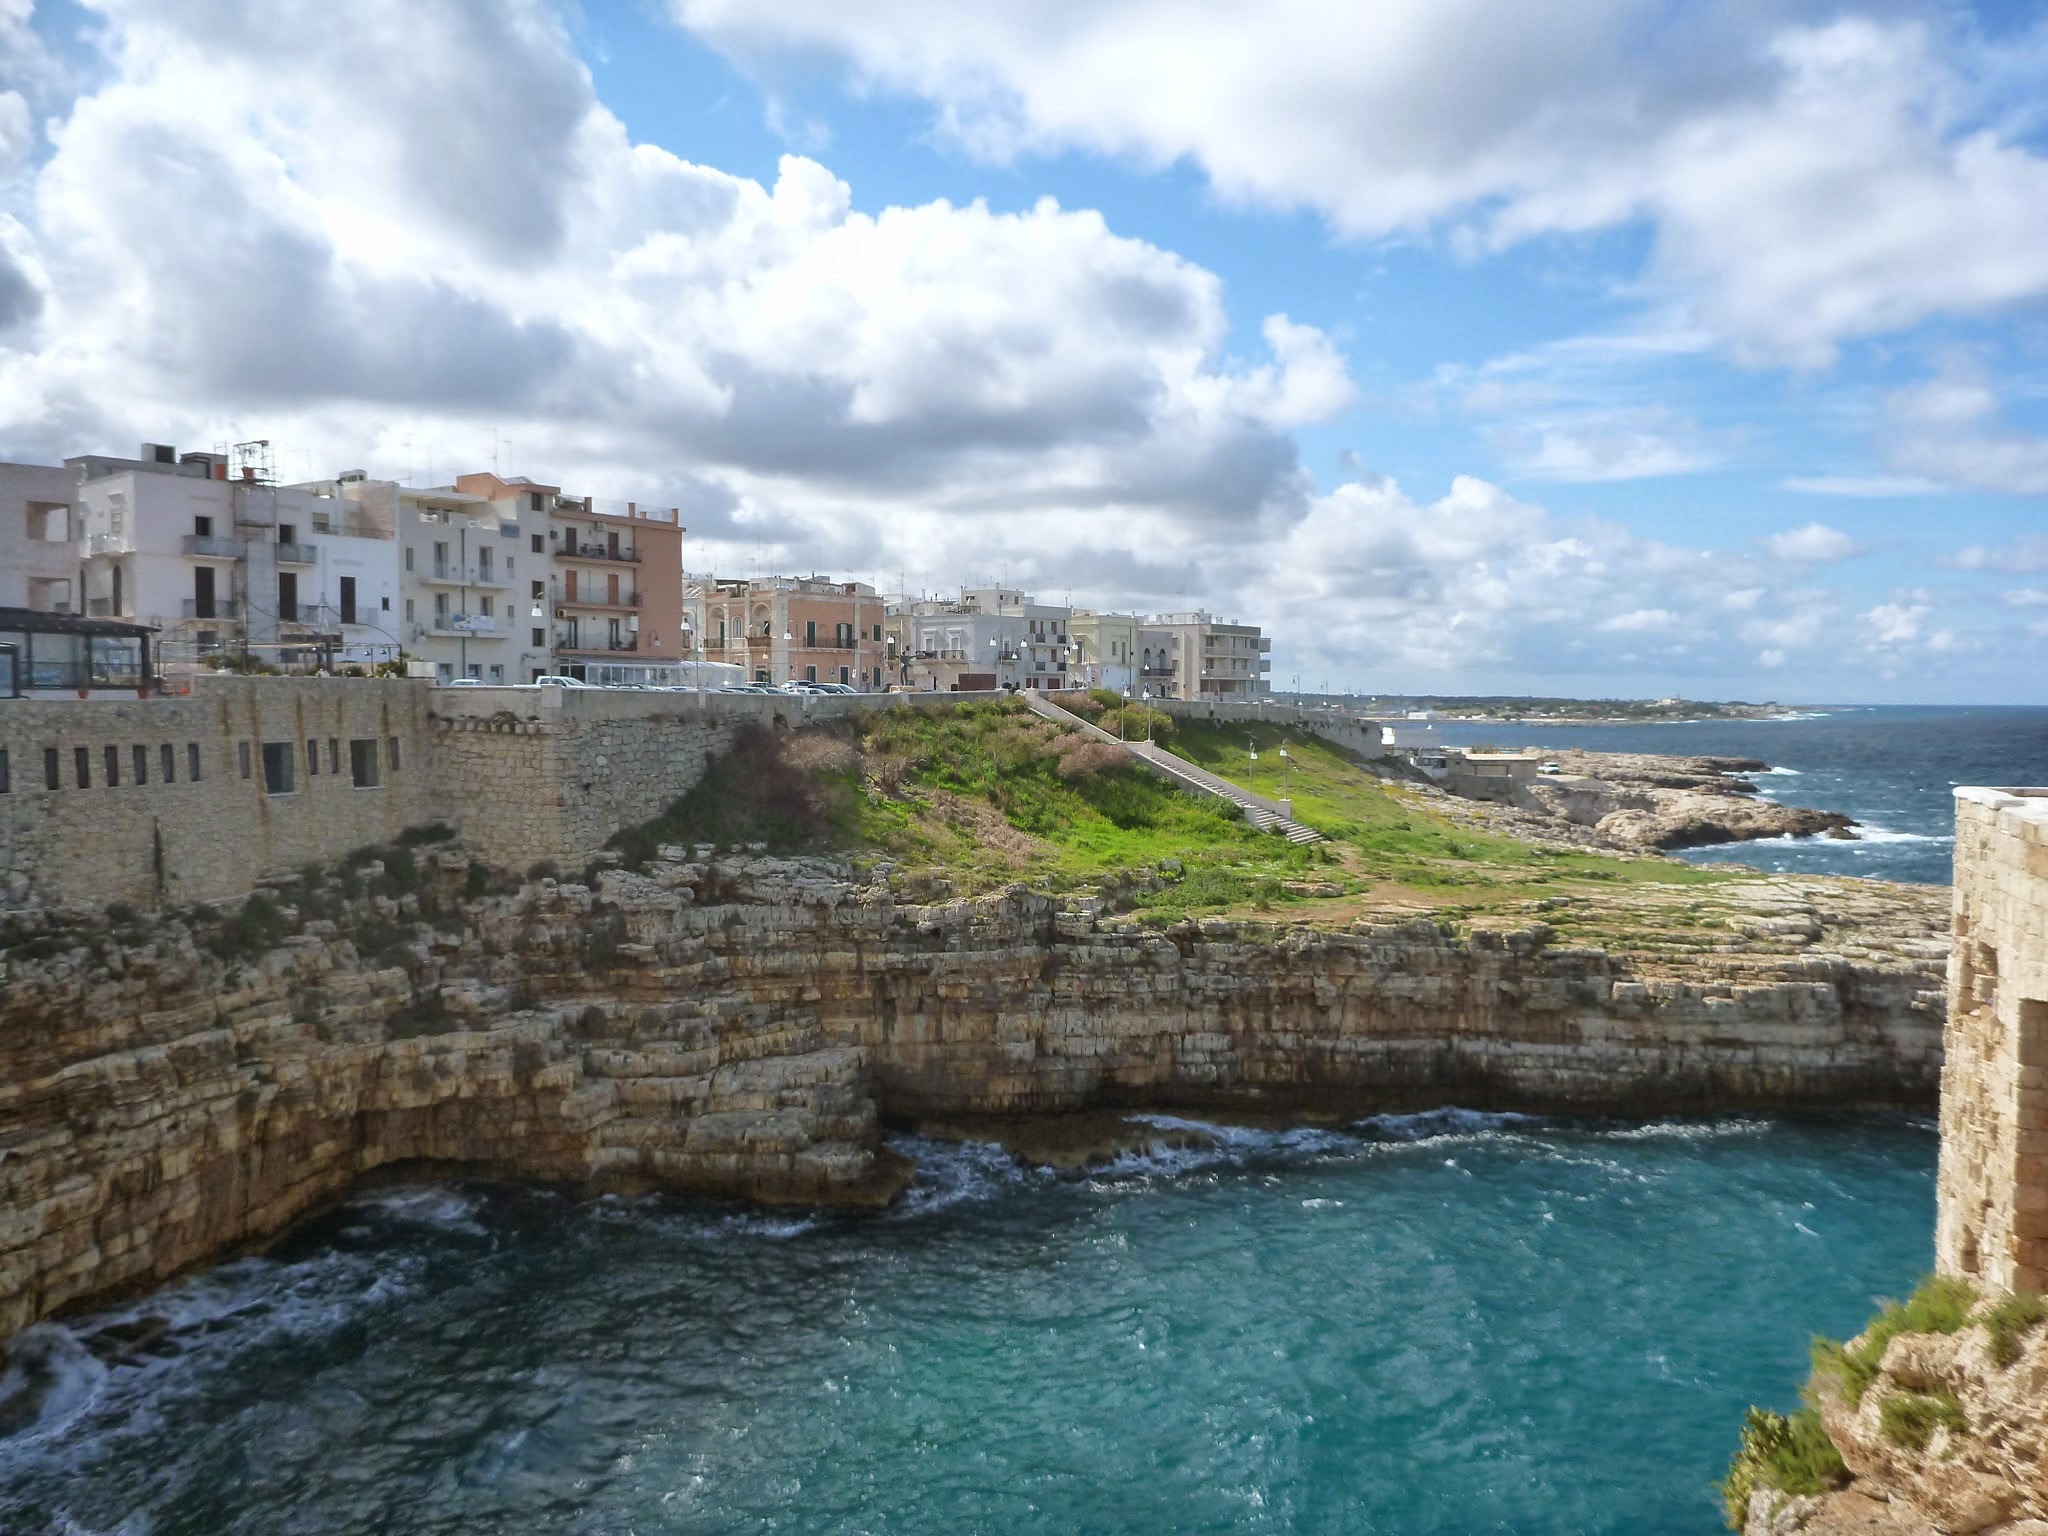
(540, 639)
(6, 780)
(167, 760)
(878, 632)
(445, 670)
(497, 674)
(533, 505)
(348, 599)
(242, 757)
(485, 606)
(50, 768)
(539, 590)
(408, 557)
(810, 674)
(203, 527)
(113, 767)
(277, 768)
(384, 604)
(334, 754)
(391, 753)
(312, 757)
(440, 557)
(483, 562)
(538, 547)
(287, 533)
(362, 762)
(81, 766)
(288, 596)
(408, 610)
(141, 765)
(192, 763)
(810, 632)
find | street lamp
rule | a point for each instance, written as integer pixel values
(1251, 750)
(1123, 713)
(1146, 693)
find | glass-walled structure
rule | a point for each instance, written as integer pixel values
(63, 653)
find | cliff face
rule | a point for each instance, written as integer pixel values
(739, 1026)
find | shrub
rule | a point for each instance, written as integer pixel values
(476, 880)
(1087, 757)
(2009, 1321)
(257, 926)
(425, 1015)
(428, 832)
(1941, 1305)
(543, 869)
(1792, 1455)
(1910, 1418)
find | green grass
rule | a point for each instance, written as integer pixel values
(1910, 1418)
(1941, 1305)
(1398, 839)
(2010, 1319)
(1792, 1455)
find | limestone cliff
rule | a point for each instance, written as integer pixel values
(173, 1087)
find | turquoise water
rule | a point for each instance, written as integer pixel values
(1447, 1323)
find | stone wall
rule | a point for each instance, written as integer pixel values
(165, 800)
(1360, 736)
(1992, 1217)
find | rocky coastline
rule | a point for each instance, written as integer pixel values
(1642, 803)
(175, 1087)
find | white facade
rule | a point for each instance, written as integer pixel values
(38, 539)
(1106, 650)
(1196, 656)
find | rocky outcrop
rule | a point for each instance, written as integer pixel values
(171, 1088)
(1978, 1465)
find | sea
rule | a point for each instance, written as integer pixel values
(1893, 769)
(1455, 1322)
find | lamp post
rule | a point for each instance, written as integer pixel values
(1122, 714)
(1251, 752)
(1146, 693)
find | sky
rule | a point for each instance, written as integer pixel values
(1619, 349)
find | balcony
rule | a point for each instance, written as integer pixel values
(475, 625)
(211, 546)
(597, 552)
(102, 608)
(623, 600)
(1166, 670)
(598, 646)
(110, 544)
(444, 575)
(213, 608)
(296, 554)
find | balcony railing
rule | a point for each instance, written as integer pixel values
(211, 546)
(456, 576)
(464, 624)
(213, 608)
(110, 544)
(629, 643)
(289, 553)
(597, 552)
(581, 599)
(1167, 670)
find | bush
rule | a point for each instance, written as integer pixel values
(1087, 757)
(543, 869)
(2010, 1320)
(1793, 1455)
(1941, 1305)
(257, 926)
(1910, 1418)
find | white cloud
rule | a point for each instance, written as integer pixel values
(1806, 184)
(1865, 487)
(1951, 430)
(1812, 545)
(1638, 621)
(1771, 658)
(1896, 623)
(2025, 554)
(365, 257)
(2027, 597)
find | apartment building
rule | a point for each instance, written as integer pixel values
(1196, 656)
(781, 629)
(988, 637)
(39, 556)
(611, 595)
(223, 562)
(1106, 650)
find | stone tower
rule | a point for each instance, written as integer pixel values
(1992, 1220)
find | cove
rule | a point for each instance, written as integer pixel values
(1436, 1323)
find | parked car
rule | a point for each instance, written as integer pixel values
(747, 688)
(832, 688)
(1549, 768)
(552, 681)
(462, 682)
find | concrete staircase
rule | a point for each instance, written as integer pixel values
(1266, 815)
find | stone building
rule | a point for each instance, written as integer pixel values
(781, 629)
(1197, 656)
(988, 637)
(1991, 1221)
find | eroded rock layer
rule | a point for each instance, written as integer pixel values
(740, 1026)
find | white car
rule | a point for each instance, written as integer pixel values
(552, 681)
(1549, 768)
(464, 682)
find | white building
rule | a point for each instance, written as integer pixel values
(1196, 656)
(990, 637)
(1106, 650)
(39, 555)
(229, 564)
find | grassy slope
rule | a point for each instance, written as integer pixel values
(977, 792)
